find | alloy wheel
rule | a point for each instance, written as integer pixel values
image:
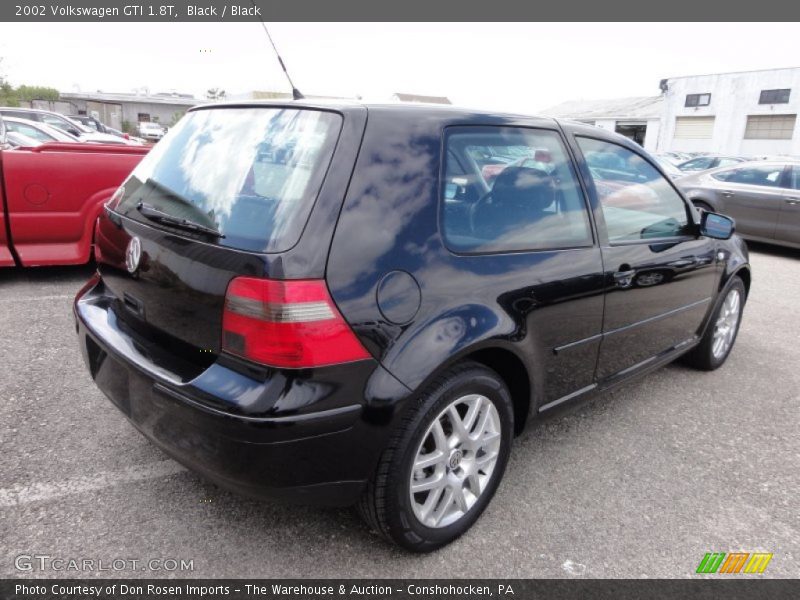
(727, 322)
(455, 461)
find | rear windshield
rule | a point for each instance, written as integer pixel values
(250, 173)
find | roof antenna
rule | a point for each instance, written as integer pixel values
(296, 95)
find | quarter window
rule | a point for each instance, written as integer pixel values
(508, 189)
(774, 96)
(764, 175)
(698, 99)
(637, 201)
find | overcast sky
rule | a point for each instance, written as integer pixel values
(517, 67)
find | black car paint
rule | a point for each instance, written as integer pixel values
(548, 321)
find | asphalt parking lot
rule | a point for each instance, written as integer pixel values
(639, 483)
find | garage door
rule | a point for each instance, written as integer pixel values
(697, 128)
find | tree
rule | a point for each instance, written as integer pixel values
(215, 94)
(176, 116)
(10, 96)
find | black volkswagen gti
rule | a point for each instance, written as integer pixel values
(363, 304)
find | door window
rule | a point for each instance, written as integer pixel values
(509, 189)
(763, 175)
(794, 177)
(726, 162)
(697, 164)
(637, 201)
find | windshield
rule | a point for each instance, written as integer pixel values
(251, 173)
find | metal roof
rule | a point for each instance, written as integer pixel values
(638, 107)
(169, 99)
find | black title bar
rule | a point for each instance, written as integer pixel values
(727, 588)
(405, 10)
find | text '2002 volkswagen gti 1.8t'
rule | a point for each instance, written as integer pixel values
(348, 304)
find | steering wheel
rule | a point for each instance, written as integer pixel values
(476, 207)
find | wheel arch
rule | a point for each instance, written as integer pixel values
(512, 370)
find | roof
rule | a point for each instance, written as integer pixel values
(345, 105)
(169, 99)
(734, 73)
(420, 98)
(638, 107)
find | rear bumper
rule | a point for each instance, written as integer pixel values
(312, 445)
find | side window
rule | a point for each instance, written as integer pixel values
(637, 202)
(794, 177)
(726, 162)
(697, 164)
(509, 189)
(765, 175)
(31, 132)
(55, 122)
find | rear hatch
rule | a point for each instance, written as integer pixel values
(226, 193)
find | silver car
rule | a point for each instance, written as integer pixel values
(762, 197)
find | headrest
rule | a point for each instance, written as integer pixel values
(524, 185)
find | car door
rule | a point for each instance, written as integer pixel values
(788, 226)
(752, 196)
(660, 275)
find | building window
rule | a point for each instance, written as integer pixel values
(774, 97)
(144, 117)
(769, 127)
(698, 99)
(694, 128)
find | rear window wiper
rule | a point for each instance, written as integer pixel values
(151, 212)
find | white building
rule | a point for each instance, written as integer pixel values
(751, 113)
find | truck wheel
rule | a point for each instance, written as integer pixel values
(444, 462)
(722, 329)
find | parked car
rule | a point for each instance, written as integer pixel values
(704, 163)
(669, 168)
(372, 321)
(38, 131)
(762, 196)
(150, 131)
(85, 134)
(673, 157)
(51, 195)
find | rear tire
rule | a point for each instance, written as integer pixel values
(722, 329)
(455, 469)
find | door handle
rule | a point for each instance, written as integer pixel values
(792, 200)
(728, 193)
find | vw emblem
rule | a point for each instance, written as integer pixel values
(455, 459)
(133, 254)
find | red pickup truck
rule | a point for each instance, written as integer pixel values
(51, 196)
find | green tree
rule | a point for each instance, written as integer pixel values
(11, 96)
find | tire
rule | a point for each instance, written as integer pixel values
(700, 205)
(425, 521)
(725, 321)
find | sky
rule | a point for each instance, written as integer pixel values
(521, 67)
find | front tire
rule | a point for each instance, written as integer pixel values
(700, 205)
(722, 329)
(444, 462)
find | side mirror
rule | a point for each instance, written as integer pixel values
(717, 226)
(74, 132)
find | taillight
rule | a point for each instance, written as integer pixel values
(292, 324)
